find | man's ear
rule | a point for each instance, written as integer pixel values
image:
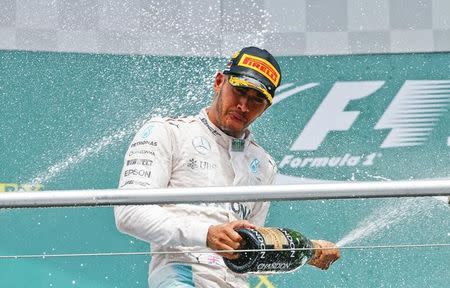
(218, 81)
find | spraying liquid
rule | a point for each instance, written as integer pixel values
(88, 151)
(386, 217)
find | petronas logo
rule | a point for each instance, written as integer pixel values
(254, 166)
(237, 145)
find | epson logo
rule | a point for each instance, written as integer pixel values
(136, 172)
(411, 115)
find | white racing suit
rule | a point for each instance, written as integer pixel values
(189, 152)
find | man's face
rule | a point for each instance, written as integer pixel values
(235, 108)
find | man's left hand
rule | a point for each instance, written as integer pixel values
(323, 258)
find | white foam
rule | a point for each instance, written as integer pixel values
(87, 151)
(386, 217)
(445, 199)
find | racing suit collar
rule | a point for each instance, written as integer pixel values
(219, 136)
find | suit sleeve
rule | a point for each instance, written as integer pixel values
(148, 164)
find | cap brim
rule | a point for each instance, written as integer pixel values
(247, 82)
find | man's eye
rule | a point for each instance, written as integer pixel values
(240, 91)
(258, 100)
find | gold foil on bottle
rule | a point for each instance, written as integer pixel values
(273, 236)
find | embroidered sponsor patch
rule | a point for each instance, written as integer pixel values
(237, 145)
(262, 66)
(201, 145)
(254, 166)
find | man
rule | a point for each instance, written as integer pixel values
(214, 148)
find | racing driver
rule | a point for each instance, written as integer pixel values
(213, 148)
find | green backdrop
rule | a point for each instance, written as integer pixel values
(66, 120)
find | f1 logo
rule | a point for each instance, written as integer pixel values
(330, 116)
(411, 115)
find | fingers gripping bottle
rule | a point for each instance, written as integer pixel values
(266, 238)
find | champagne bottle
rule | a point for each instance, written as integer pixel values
(266, 238)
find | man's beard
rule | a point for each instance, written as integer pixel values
(219, 110)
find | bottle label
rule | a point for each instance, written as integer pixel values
(268, 239)
(273, 237)
(279, 238)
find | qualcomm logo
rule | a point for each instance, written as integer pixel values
(411, 115)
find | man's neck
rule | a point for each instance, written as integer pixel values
(232, 134)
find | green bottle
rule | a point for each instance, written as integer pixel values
(267, 238)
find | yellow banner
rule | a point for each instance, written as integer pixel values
(14, 187)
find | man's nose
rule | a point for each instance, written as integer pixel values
(243, 103)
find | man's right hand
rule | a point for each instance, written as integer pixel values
(224, 237)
